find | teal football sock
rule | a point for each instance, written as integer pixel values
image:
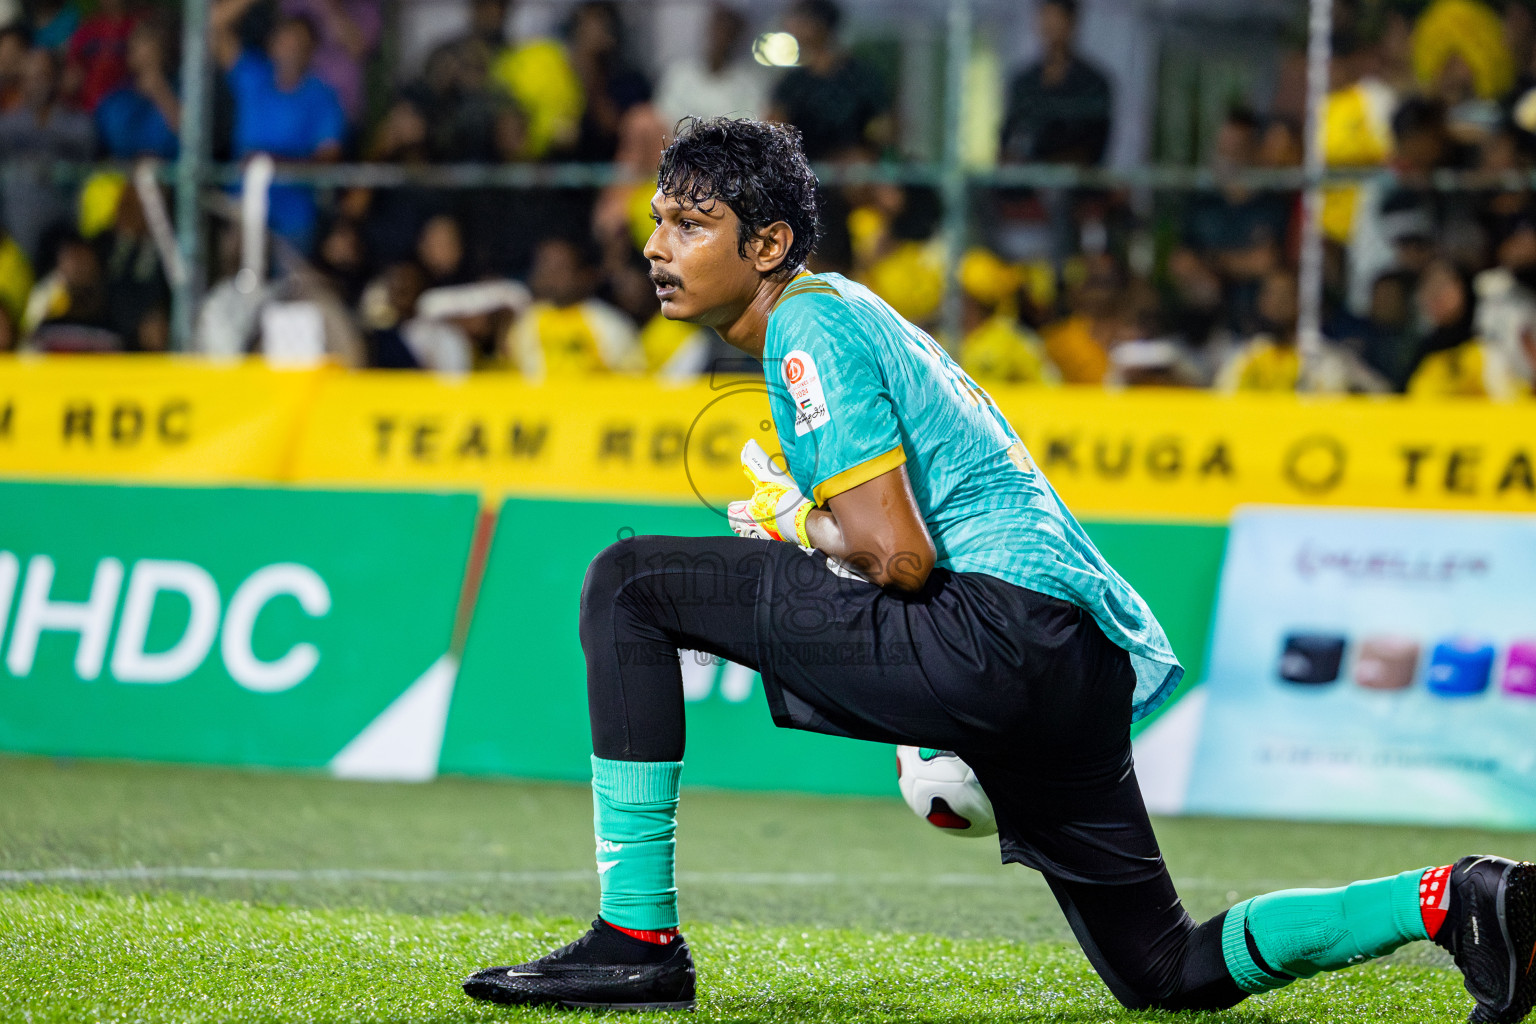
(1300, 932)
(634, 813)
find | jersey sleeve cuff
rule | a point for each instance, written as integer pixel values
(864, 472)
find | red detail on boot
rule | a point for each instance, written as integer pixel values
(660, 938)
(1435, 898)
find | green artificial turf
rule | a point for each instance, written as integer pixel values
(155, 893)
(76, 956)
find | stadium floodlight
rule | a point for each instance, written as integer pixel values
(776, 50)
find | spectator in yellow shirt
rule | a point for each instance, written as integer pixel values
(15, 286)
(1272, 360)
(997, 348)
(567, 333)
(1356, 131)
(1080, 344)
(536, 74)
(1453, 360)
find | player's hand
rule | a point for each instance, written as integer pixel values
(776, 510)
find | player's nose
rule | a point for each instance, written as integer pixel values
(654, 250)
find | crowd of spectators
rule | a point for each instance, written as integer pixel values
(1426, 290)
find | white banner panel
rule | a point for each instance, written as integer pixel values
(1373, 666)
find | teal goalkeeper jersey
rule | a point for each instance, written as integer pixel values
(856, 391)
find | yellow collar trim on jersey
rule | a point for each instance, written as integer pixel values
(800, 285)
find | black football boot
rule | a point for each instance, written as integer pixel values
(605, 969)
(1490, 930)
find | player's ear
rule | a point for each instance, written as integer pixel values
(769, 248)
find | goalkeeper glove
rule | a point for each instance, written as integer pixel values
(777, 510)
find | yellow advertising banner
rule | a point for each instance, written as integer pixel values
(149, 418)
(1132, 455)
(1197, 455)
(602, 438)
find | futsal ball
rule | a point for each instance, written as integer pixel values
(943, 791)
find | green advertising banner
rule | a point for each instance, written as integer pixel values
(520, 707)
(306, 628)
(258, 626)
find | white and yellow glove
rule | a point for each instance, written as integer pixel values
(777, 510)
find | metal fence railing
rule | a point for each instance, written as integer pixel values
(955, 182)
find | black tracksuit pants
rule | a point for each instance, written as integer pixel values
(1023, 686)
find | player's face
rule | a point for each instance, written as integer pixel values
(696, 263)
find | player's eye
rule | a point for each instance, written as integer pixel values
(688, 225)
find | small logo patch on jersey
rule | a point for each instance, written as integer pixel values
(1019, 456)
(806, 392)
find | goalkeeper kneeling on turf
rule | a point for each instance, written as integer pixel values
(914, 537)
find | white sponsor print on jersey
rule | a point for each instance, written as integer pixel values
(805, 392)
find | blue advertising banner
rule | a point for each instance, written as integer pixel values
(1373, 666)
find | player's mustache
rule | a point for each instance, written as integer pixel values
(661, 278)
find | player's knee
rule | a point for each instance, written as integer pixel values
(604, 577)
(1212, 997)
(608, 574)
(1176, 968)
(1177, 991)
(1202, 980)
(1136, 991)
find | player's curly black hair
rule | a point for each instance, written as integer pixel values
(757, 168)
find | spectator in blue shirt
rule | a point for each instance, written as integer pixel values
(141, 117)
(281, 108)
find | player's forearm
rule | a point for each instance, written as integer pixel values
(880, 552)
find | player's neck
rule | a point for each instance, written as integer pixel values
(749, 330)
